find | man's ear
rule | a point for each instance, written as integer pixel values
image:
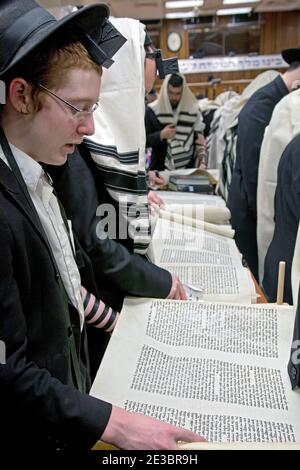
(20, 95)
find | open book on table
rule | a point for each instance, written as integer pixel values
(171, 197)
(211, 174)
(217, 369)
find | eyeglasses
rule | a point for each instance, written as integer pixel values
(79, 114)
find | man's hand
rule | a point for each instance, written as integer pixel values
(154, 180)
(177, 291)
(200, 140)
(200, 152)
(168, 132)
(155, 200)
(134, 431)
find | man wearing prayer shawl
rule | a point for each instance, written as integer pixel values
(173, 122)
(252, 122)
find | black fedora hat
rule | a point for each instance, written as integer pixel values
(291, 55)
(25, 25)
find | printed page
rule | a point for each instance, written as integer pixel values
(215, 173)
(218, 369)
(165, 174)
(205, 260)
(175, 197)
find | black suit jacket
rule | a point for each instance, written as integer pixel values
(294, 362)
(252, 121)
(286, 216)
(117, 271)
(38, 392)
(159, 147)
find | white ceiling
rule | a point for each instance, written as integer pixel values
(262, 5)
(146, 9)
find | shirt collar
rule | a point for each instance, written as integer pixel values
(29, 168)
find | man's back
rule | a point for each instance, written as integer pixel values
(287, 216)
(253, 119)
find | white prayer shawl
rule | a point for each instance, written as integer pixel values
(283, 127)
(261, 80)
(205, 104)
(187, 118)
(215, 140)
(118, 145)
(222, 144)
(230, 126)
(295, 277)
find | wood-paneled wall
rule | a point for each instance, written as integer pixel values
(279, 30)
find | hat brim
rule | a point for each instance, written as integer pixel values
(86, 19)
(291, 55)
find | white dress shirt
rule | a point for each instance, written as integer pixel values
(45, 202)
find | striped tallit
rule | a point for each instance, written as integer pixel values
(118, 145)
(187, 119)
(214, 141)
(229, 130)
